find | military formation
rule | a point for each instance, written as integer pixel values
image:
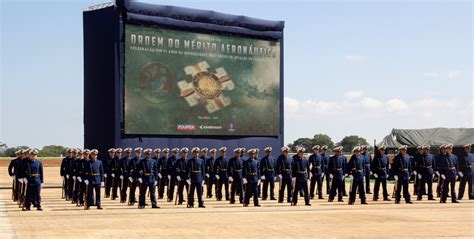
(244, 176)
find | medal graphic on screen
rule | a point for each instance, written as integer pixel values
(206, 87)
(155, 81)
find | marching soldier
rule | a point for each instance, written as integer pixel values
(401, 169)
(162, 173)
(325, 157)
(466, 172)
(284, 170)
(425, 173)
(234, 168)
(336, 168)
(259, 186)
(220, 168)
(448, 170)
(300, 174)
(180, 168)
(134, 175)
(147, 178)
(355, 169)
(123, 167)
(115, 173)
(195, 169)
(416, 162)
(440, 157)
(76, 175)
(94, 174)
(365, 154)
(250, 175)
(71, 173)
(33, 171)
(316, 163)
(65, 164)
(80, 178)
(379, 167)
(12, 168)
(267, 172)
(108, 164)
(210, 173)
(171, 169)
(21, 176)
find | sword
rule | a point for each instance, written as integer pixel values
(13, 190)
(176, 197)
(395, 189)
(86, 202)
(64, 189)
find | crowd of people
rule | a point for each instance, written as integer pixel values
(244, 175)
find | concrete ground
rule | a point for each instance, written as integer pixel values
(61, 219)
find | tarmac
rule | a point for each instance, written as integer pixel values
(61, 219)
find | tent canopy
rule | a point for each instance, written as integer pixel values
(434, 137)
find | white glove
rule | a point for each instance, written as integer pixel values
(159, 175)
(202, 184)
(130, 179)
(376, 176)
(113, 175)
(419, 176)
(461, 174)
(121, 177)
(140, 180)
(102, 184)
(345, 175)
(86, 182)
(67, 176)
(188, 181)
(310, 174)
(293, 179)
(105, 175)
(274, 178)
(74, 177)
(25, 180)
(258, 182)
(156, 182)
(442, 176)
(13, 177)
(207, 175)
(20, 180)
(414, 172)
(169, 177)
(62, 177)
(178, 178)
(331, 176)
(396, 177)
(217, 177)
(42, 185)
(280, 176)
(370, 173)
(351, 177)
(231, 179)
(262, 177)
(244, 180)
(79, 179)
(437, 173)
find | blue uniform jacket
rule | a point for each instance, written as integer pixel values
(448, 165)
(234, 167)
(466, 164)
(133, 167)
(64, 166)
(251, 171)
(426, 164)
(148, 170)
(317, 164)
(196, 170)
(379, 166)
(300, 168)
(162, 164)
(336, 166)
(180, 168)
(12, 167)
(21, 168)
(79, 167)
(401, 167)
(367, 160)
(267, 167)
(356, 166)
(94, 171)
(284, 166)
(34, 172)
(220, 167)
(171, 166)
(209, 163)
(123, 166)
(325, 159)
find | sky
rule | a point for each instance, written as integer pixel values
(351, 67)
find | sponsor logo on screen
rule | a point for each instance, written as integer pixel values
(231, 127)
(186, 127)
(210, 127)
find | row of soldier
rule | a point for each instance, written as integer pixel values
(244, 174)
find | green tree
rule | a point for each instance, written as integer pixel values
(323, 139)
(349, 142)
(3, 147)
(305, 142)
(308, 143)
(52, 151)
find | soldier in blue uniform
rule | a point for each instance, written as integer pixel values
(441, 156)
(448, 169)
(162, 163)
(300, 173)
(234, 168)
(20, 175)
(425, 166)
(380, 166)
(196, 171)
(108, 164)
(336, 168)
(156, 154)
(210, 173)
(181, 176)
(64, 169)
(365, 154)
(134, 175)
(325, 157)
(251, 177)
(267, 172)
(171, 169)
(355, 169)
(147, 179)
(284, 170)
(400, 170)
(80, 178)
(466, 172)
(94, 180)
(220, 168)
(12, 168)
(115, 173)
(415, 165)
(316, 164)
(78, 171)
(123, 173)
(33, 172)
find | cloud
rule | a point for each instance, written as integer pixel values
(353, 94)
(432, 75)
(396, 105)
(369, 102)
(356, 59)
(454, 74)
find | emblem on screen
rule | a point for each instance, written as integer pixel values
(206, 87)
(155, 81)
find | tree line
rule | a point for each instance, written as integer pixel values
(46, 151)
